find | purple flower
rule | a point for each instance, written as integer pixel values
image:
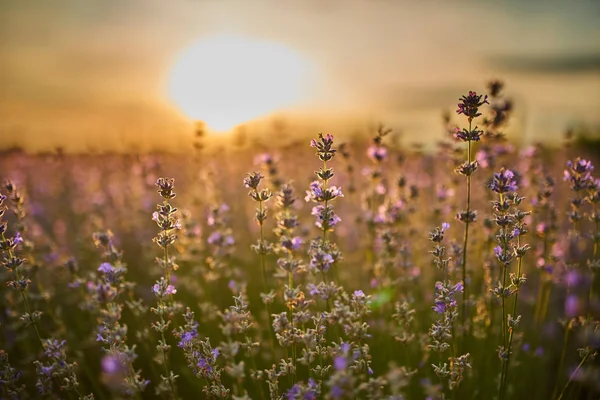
(296, 242)
(215, 353)
(214, 237)
(312, 289)
(105, 268)
(170, 290)
(440, 307)
(336, 392)
(187, 338)
(156, 288)
(572, 306)
(503, 182)
(445, 226)
(111, 365)
(321, 261)
(340, 363)
(294, 392)
(459, 287)
(325, 214)
(377, 153)
(18, 238)
(498, 252)
(469, 105)
(359, 294)
(315, 192)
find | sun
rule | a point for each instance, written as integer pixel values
(227, 80)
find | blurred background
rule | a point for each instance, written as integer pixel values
(136, 76)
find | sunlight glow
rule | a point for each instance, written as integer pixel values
(227, 80)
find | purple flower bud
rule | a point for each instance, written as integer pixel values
(105, 268)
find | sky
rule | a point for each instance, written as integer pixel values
(94, 74)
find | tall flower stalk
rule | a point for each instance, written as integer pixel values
(162, 289)
(323, 253)
(469, 107)
(441, 332)
(261, 197)
(112, 332)
(290, 265)
(510, 221)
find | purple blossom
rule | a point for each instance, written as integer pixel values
(377, 153)
(321, 261)
(469, 105)
(111, 365)
(18, 238)
(312, 289)
(439, 307)
(187, 338)
(106, 268)
(340, 363)
(573, 306)
(459, 287)
(503, 182)
(315, 192)
(498, 251)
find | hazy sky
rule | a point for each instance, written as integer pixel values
(83, 73)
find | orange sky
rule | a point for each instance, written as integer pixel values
(83, 73)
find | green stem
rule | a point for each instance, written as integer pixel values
(506, 364)
(562, 359)
(583, 360)
(465, 243)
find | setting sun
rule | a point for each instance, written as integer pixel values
(227, 80)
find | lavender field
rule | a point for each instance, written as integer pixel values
(328, 268)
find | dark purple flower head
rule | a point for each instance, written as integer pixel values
(253, 180)
(578, 173)
(469, 105)
(324, 146)
(503, 182)
(165, 188)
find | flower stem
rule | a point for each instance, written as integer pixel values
(465, 243)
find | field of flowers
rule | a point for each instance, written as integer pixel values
(320, 270)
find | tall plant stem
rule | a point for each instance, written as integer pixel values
(465, 243)
(573, 375)
(510, 337)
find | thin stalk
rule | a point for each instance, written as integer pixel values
(262, 255)
(506, 364)
(583, 360)
(162, 320)
(562, 360)
(291, 283)
(465, 241)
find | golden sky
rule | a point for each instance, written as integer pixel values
(81, 74)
